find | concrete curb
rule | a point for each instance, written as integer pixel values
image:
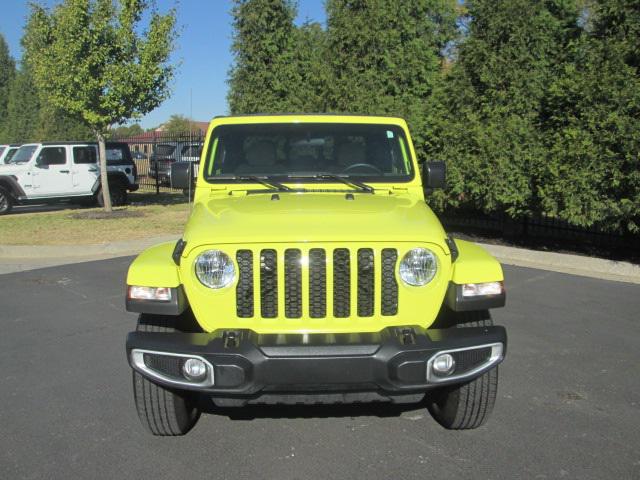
(25, 257)
(566, 263)
(121, 248)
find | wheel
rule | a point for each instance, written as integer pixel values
(118, 195)
(163, 411)
(100, 198)
(188, 193)
(466, 406)
(6, 202)
(87, 202)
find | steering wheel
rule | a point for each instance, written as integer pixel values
(366, 166)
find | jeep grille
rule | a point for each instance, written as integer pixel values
(354, 272)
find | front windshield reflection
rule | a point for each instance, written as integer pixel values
(23, 154)
(318, 151)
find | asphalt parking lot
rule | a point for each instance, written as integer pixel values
(568, 406)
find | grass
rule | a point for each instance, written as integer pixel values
(147, 215)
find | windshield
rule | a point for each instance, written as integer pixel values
(288, 150)
(165, 149)
(191, 150)
(10, 154)
(23, 154)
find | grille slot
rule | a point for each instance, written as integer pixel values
(341, 283)
(268, 283)
(366, 272)
(244, 289)
(317, 283)
(389, 283)
(292, 283)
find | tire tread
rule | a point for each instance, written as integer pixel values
(9, 200)
(469, 405)
(162, 411)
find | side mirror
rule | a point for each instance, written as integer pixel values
(182, 175)
(434, 175)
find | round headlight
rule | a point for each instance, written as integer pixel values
(418, 267)
(215, 269)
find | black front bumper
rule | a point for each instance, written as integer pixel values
(244, 363)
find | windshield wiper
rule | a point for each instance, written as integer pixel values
(363, 187)
(267, 183)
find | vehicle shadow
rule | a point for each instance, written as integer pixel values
(45, 208)
(252, 412)
(135, 200)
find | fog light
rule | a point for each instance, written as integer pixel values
(194, 369)
(443, 364)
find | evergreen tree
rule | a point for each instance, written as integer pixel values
(308, 92)
(263, 77)
(31, 118)
(592, 172)
(56, 125)
(489, 128)
(386, 56)
(23, 109)
(7, 74)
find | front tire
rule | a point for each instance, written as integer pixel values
(163, 411)
(6, 202)
(466, 406)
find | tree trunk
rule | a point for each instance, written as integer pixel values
(104, 180)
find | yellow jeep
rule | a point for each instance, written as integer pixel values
(312, 271)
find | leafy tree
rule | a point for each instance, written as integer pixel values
(386, 56)
(488, 129)
(264, 74)
(7, 74)
(90, 61)
(177, 124)
(124, 131)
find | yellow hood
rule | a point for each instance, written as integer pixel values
(312, 217)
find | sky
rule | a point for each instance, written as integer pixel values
(202, 52)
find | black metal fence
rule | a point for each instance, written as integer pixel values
(154, 152)
(544, 231)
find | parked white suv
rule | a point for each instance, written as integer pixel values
(63, 171)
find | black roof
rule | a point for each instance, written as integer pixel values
(307, 114)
